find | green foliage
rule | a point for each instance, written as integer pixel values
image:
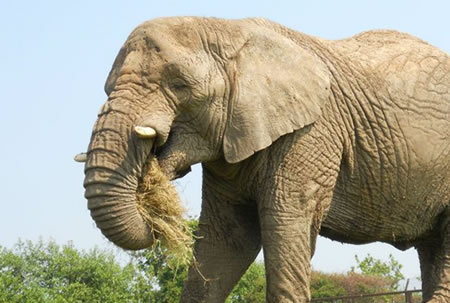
(252, 286)
(158, 282)
(162, 277)
(370, 266)
(50, 273)
(326, 285)
(47, 272)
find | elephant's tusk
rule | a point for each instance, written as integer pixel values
(145, 132)
(81, 157)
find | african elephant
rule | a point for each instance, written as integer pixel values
(297, 136)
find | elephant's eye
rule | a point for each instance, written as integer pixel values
(180, 88)
(178, 84)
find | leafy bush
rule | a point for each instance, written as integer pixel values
(325, 285)
(370, 266)
(370, 276)
(46, 272)
(252, 286)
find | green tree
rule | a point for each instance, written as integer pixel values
(371, 266)
(161, 276)
(325, 285)
(160, 280)
(252, 286)
(47, 272)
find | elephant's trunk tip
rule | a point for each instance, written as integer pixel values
(146, 214)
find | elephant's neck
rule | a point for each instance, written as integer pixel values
(236, 175)
(223, 170)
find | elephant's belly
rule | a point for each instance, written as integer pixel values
(392, 212)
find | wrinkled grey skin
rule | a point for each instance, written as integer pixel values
(297, 135)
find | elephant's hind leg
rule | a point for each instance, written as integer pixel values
(435, 265)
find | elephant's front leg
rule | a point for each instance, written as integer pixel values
(288, 235)
(291, 211)
(228, 242)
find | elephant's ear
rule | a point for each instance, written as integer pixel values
(279, 87)
(115, 71)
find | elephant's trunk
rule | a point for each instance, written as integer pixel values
(113, 171)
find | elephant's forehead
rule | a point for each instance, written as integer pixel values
(171, 32)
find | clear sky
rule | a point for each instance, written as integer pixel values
(55, 56)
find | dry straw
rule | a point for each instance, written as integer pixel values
(160, 206)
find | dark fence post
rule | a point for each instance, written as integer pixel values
(408, 297)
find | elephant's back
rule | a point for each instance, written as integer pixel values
(408, 81)
(378, 46)
(404, 61)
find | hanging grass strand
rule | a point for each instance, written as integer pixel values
(159, 204)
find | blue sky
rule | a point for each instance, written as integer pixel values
(55, 57)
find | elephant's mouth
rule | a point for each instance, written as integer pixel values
(159, 205)
(178, 167)
(157, 199)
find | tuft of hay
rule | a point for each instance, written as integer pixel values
(159, 204)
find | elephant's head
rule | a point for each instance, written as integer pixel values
(192, 90)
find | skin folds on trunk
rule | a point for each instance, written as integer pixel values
(130, 199)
